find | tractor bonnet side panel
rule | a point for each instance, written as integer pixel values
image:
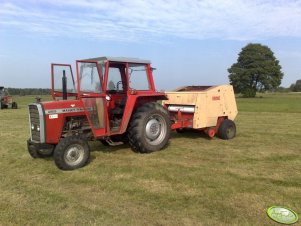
(55, 114)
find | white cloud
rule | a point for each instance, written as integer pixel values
(139, 20)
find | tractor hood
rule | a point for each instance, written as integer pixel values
(63, 107)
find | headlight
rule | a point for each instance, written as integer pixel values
(32, 126)
(38, 128)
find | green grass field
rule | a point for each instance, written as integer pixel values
(194, 181)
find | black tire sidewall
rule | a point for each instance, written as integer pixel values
(222, 132)
(62, 147)
(146, 119)
(139, 141)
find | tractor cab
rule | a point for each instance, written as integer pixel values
(106, 86)
(110, 99)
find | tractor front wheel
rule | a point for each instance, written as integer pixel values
(149, 129)
(71, 153)
(227, 130)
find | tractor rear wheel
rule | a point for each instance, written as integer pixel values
(71, 153)
(149, 129)
(227, 130)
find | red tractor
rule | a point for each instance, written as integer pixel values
(113, 100)
(6, 99)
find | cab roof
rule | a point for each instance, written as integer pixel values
(120, 59)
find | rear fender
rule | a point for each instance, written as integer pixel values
(133, 103)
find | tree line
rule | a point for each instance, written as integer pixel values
(28, 91)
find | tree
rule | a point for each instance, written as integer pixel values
(256, 69)
(296, 87)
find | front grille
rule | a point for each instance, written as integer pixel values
(36, 122)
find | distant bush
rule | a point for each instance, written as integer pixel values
(296, 87)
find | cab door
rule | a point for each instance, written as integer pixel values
(58, 73)
(90, 86)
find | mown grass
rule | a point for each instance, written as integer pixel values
(194, 181)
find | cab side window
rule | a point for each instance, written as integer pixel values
(138, 77)
(115, 83)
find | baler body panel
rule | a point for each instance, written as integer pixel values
(208, 104)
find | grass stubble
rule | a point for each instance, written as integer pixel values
(194, 181)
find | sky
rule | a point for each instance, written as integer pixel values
(190, 42)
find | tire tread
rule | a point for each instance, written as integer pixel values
(61, 147)
(135, 127)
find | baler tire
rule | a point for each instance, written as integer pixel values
(227, 130)
(149, 128)
(71, 153)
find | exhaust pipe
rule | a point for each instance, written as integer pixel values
(64, 85)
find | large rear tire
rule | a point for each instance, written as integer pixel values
(227, 130)
(149, 129)
(71, 153)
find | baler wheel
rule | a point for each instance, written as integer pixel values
(149, 129)
(71, 153)
(227, 130)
